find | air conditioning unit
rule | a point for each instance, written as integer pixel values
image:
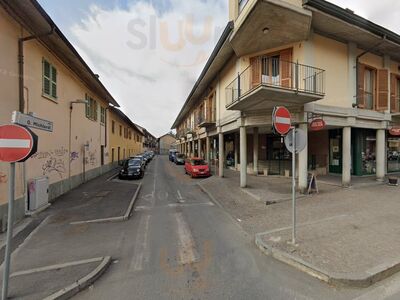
(38, 190)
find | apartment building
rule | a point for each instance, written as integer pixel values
(319, 60)
(41, 72)
(125, 137)
(166, 142)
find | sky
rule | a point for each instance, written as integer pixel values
(149, 53)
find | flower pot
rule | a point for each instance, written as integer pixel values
(393, 181)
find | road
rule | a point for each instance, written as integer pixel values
(179, 245)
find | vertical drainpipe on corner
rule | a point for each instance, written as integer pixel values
(21, 87)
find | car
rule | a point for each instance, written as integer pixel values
(197, 167)
(141, 158)
(172, 154)
(132, 168)
(179, 159)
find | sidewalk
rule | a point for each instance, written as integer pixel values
(345, 236)
(62, 257)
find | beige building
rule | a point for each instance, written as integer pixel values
(41, 72)
(318, 60)
(166, 143)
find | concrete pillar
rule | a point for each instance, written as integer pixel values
(255, 150)
(243, 157)
(221, 156)
(346, 157)
(303, 163)
(199, 149)
(380, 154)
(208, 149)
(236, 146)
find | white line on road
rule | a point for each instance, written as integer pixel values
(141, 250)
(180, 198)
(146, 208)
(187, 250)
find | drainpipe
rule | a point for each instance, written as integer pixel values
(358, 62)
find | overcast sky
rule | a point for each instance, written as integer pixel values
(149, 53)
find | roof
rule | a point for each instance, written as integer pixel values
(170, 134)
(218, 59)
(124, 117)
(36, 21)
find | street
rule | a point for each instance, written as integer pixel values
(179, 245)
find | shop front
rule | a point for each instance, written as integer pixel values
(393, 153)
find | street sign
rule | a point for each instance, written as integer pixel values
(281, 120)
(31, 121)
(301, 141)
(17, 143)
(395, 130)
(317, 124)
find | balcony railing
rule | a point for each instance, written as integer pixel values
(275, 73)
(205, 121)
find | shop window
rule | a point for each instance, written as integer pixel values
(393, 154)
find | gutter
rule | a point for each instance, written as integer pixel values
(227, 31)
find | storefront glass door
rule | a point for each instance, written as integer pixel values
(393, 155)
(335, 151)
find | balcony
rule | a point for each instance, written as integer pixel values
(270, 82)
(206, 121)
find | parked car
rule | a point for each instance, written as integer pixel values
(141, 158)
(179, 159)
(132, 168)
(197, 167)
(172, 154)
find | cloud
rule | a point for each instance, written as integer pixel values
(150, 58)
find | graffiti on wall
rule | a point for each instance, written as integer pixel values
(91, 158)
(74, 156)
(47, 154)
(3, 178)
(53, 161)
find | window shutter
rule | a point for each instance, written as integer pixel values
(53, 82)
(360, 86)
(95, 110)
(46, 77)
(383, 90)
(87, 106)
(285, 64)
(255, 63)
(394, 103)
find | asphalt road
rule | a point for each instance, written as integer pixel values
(179, 245)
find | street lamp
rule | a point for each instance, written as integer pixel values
(71, 106)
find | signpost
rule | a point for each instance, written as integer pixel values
(295, 141)
(317, 125)
(395, 130)
(31, 121)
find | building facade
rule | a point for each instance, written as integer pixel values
(318, 60)
(125, 138)
(166, 143)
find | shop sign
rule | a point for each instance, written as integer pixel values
(317, 124)
(395, 130)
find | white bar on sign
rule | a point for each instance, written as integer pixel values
(282, 120)
(14, 143)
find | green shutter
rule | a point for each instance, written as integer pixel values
(87, 108)
(46, 78)
(53, 82)
(95, 110)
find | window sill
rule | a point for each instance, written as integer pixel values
(50, 98)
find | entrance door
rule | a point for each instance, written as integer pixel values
(335, 151)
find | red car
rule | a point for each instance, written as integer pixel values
(197, 167)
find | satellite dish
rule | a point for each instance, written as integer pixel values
(301, 140)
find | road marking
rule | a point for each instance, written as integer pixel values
(180, 198)
(141, 250)
(187, 250)
(171, 205)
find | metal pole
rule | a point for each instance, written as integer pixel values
(294, 186)
(10, 222)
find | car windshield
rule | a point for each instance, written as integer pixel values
(134, 162)
(198, 162)
(180, 156)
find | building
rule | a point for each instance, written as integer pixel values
(41, 72)
(166, 143)
(321, 62)
(125, 138)
(150, 141)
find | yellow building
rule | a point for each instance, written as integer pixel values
(125, 137)
(319, 60)
(54, 83)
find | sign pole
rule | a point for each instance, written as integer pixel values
(10, 223)
(294, 186)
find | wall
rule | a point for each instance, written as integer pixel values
(166, 143)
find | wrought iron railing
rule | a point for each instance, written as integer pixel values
(273, 72)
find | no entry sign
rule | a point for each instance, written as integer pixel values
(281, 120)
(17, 143)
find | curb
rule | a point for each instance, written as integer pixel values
(82, 283)
(125, 217)
(359, 280)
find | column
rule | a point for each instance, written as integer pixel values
(221, 156)
(346, 157)
(243, 157)
(199, 148)
(208, 149)
(303, 163)
(380, 154)
(236, 143)
(255, 150)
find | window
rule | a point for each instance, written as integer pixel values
(120, 130)
(369, 88)
(242, 4)
(113, 126)
(49, 80)
(91, 108)
(102, 115)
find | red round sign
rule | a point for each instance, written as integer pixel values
(317, 124)
(282, 120)
(395, 130)
(17, 143)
